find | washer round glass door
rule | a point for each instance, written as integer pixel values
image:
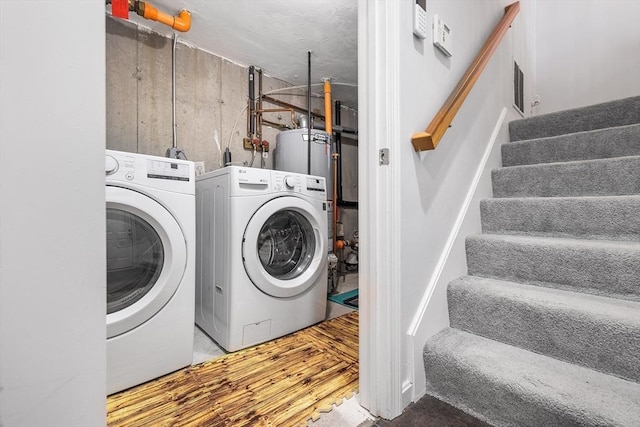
(146, 258)
(283, 248)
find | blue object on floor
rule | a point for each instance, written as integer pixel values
(348, 299)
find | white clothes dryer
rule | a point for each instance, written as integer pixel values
(261, 270)
(150, 204)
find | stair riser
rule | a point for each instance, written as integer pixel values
(610, 218)
(508, 386)
(483, 398)
(620, 176)
(600, 144)
(607, 271)
(597, 340)
(616, 113)
(539, 350)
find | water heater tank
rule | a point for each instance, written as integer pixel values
(290, 154)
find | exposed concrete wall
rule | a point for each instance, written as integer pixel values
(211, 94)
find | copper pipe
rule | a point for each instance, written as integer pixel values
(277, 110)
(249, 118)
(275, 125)
(275, 101)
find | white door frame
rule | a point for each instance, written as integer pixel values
(379, 214)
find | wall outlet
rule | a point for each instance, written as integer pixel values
(247, 143)
(199, 166)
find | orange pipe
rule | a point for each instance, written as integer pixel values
(328, 115)
(182, 22)
(327, 107)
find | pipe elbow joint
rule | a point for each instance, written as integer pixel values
(182, 22)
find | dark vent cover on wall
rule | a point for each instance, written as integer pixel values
(518, 87)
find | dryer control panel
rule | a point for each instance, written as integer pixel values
(167, 169)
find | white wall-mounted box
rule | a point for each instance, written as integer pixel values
(420, 28)
(442, 36)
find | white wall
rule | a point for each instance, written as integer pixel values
(52, 217)
(437, 192)
(422, 197)
(587, 52)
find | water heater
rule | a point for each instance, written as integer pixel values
(292, 148)
(290, 155)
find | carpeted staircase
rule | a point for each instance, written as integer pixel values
(545, 329)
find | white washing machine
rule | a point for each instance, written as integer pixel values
(261, 271)
(150, 267)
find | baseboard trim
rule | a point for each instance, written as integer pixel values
(444, 255)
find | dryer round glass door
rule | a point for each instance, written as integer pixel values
(146, 258)
(284, 247)
(135, 257)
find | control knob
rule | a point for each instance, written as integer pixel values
(110, 165)
(289, 182)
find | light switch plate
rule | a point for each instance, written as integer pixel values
(442, 36)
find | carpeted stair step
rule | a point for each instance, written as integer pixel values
(593, 331)
(605, 115)
(608, 268)
(604, 177)
(609, 218)
(508, 386)
(599, 144)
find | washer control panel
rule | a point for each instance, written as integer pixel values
(313, 186)
(315, 183)
(251, 181)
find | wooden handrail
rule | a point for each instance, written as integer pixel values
(429, 139)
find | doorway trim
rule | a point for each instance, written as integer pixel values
(381, 337)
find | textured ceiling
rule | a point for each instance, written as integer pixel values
(276, 36)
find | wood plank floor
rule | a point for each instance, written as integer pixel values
(284, 382)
